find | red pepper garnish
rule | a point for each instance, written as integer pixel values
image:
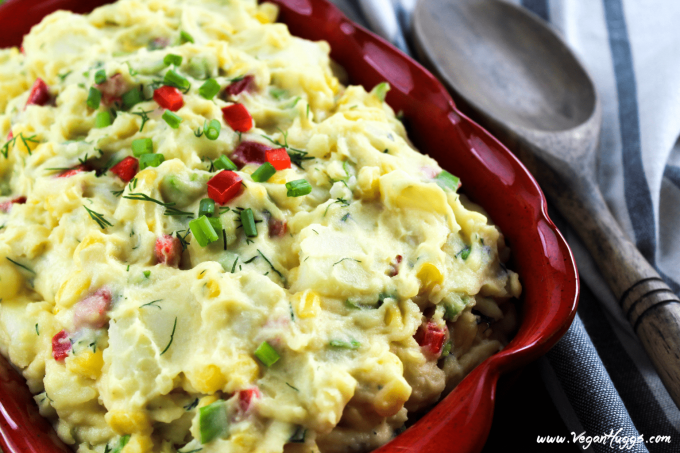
(169, 98)
(10, 136)
(5, 206)
(238, 118)
(250, 153)
(431, 337)
(39, 95)
(61, 345)
(126, 169)
(394, 266)
(92, 311)
(236, 88)
(245, 397)
(277, 228)
(168, 250)
(74, 171)
(279, 158)
(224, 186)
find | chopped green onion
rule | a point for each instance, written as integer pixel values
(172, 119)
(465, 253)
(100, 77)
(147, 274)
(175, 80)
(150, 160)
(380, 90)
(94, 98)
(103, 119)
(198, 68)
(450, 311)
(447, 349)
(142, 146)
(266, 354)
(446, 180)
(203, 231)
(132, 98)
(212, 129)
(298, 188)
(172, 59)
(248, 222)
(186, 37)
(121, 443)
(209, 89)
(206, 207)
(224, 163)
(344, 344)
(263, 172)
(216, 223)
(213, 421)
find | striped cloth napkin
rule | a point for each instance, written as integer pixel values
(598, 375)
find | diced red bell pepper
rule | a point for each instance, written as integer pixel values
(113, 88)
(10, 136)
(250, 153)
(61, 345)
(74, 171)
(246, 397)
(431, 337)
(5, 206)
(91, 311)
(277, 228)
(39, 95)
(279, 158)
(126, 169)
(168, 250)
(169, 98)
(236, 88)
(238, 117)
(224, 186)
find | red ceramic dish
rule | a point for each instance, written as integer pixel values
(490, 174)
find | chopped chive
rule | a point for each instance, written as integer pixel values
(172, 59)
(213, 421)
(94, 98)
(172, 119)
(380, 90)
(132, 98)
(203, 231)
(248, 222)
(233, 268)
(263, 172)
(142, 146)
(172, 337)
(212, 129)
(206, 207)
(100, 77)
(465, 253)
(37, 329)
(209, 89)
(298, 188)
(353, 344)
(150, 160)
(224, 163)
(267, 354)
(186, 37)
(173, 79)
(446, 180)
(103, 119)
(21, 265)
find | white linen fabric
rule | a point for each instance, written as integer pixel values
(599, 376)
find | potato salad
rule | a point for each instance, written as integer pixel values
(210, 242)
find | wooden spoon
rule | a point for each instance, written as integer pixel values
(517, 78)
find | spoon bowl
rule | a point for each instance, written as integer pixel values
(517, 78)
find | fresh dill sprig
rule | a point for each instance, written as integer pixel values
(144, 115)
(99, 218)
(21, 265)
(13, 140)
(172, 337)
(352, 259)
(296, 155)
(152, 304)
(169, 209)
(270, 264)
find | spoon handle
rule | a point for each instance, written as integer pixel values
(648, 303)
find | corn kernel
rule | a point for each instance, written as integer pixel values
(307, 304)
(267, 13)
(138, 443)
(87, 364)
(208, 379)
(430, 276)
(71, 290)
(278, 178)
(391, 398)
(213, 288)
(128, 422)
(244, 440)
(146, 176)
(393, 318)
(243, 372)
